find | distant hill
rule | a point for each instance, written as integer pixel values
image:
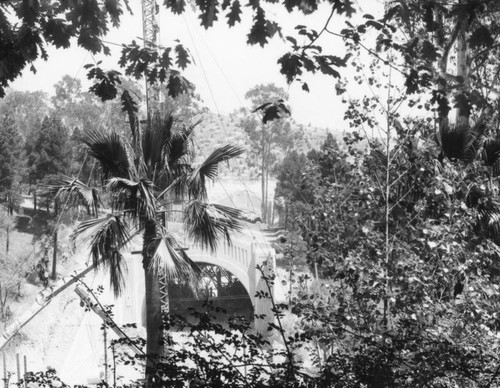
(215, 130)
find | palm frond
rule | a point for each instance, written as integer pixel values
(73, 192)
(154, 138)
(209, 170)
(114, 156)
(491, 151)
(129, 106)
(463, 141)
(133, 198)
(106, 237)
(168, 258)
(208, 224)
(488, 217)
(176, 189)
(178, 149)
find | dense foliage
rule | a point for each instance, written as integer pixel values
(400, 220)
(270, 132)
(11, 164)
(28, 30)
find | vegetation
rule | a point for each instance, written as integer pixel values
(147, 177)
(398, 222)
(268, 135)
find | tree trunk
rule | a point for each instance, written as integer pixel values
(54, 256)
(154, 330)
(286, 215)
(7, 243)
(34, 200)
(154, 327)
(463, 73)
(442, 84)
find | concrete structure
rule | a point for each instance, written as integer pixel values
(241, 259)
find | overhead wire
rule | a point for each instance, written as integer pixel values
(67, 201)
(219, 115)
(223, 128)
(223, 73)
(226, 133)
(55, 228)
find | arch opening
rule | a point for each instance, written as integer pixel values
(216, 285)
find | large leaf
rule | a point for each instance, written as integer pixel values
(168, 258)
(182, 56)
(273, 111)
(113, 155)
(209, 169)
(129, 106)
(72, 192)
(208, 11)
(233, 16)
(107, 237)
(133, 198)
(209, 224)
(155, 138)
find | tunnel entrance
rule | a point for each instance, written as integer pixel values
(215, 284)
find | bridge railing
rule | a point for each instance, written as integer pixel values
(239, 251)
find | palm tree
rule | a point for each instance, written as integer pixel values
(145, 178)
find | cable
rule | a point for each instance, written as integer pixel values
(202, 39)
(235, 206)
(215, 103)
(224, 129)
(57, 223)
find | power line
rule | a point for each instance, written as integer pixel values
(202, 39)
(67, 201)
(222, 124)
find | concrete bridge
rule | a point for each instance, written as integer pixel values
(241, 258)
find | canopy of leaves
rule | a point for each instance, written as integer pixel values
(11, 165)
(442, 268)
(27, 31)
(48, 149)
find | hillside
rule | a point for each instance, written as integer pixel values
(215, 130)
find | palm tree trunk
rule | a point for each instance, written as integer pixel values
(154, 330)
(153, 323)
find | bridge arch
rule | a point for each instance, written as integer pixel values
(217, 285)
(240, 259)
(233, 268)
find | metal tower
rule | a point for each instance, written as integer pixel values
(151, 29)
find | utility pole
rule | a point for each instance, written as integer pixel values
(105, 353)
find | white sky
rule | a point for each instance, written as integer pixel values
(226, 67)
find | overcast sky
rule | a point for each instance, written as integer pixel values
(225, 66)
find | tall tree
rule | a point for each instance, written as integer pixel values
(48, 149)
(26, 108)
(82, 110)
(10, 162)
(292, 195)
(269, 131)
(449, 49)
(145, 176)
